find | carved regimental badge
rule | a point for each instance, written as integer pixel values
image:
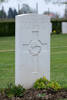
(34, 47)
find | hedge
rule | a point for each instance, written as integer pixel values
(57, 24)
(59, 20)
(57, 27)
(7, 27)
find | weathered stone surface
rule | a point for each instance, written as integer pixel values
(32, 48)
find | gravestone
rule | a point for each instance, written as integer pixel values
(32, 49)
(64, 27)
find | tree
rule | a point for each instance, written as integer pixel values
(27, 9)
(3, 13)
(10, 13)
(1, 0)
(14, 13)
(65, 15)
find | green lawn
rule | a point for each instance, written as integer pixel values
(58, 60)
(7, 61)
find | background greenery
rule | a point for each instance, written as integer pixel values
(58, 60)
(7, 26)
(57, 25)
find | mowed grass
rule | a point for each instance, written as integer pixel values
(58, 60)
(7, 61)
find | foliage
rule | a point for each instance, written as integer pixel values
(13, 90)
(26, 9)
(15, 13)
(65, 15)
(40, 85)
(57, 26)
(54, 85)
(12, 13)
(43, 83)
(7, 28)
(2, 14)
(58, 19)
(2, 1)
(54, 31)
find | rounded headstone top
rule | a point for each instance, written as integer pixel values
(33, 17)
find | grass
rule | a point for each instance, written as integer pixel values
(7, 62)
(58, 60)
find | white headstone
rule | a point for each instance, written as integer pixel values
(32, 48)
(64, 27)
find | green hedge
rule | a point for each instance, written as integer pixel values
(57, 27)
(7, 28)
(59, 20)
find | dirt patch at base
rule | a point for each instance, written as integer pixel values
(33, 94)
